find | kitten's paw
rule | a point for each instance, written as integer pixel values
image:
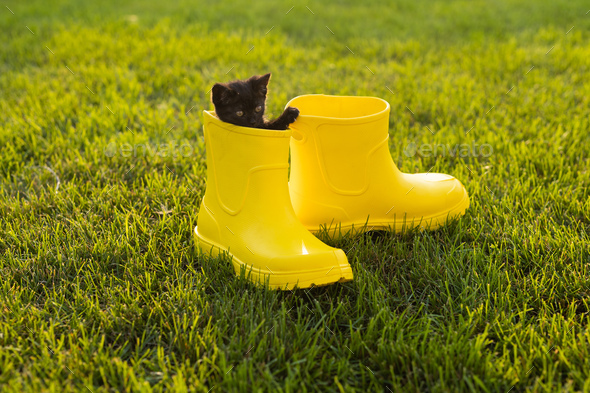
(292, 114)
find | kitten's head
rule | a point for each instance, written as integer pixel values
(241, 102)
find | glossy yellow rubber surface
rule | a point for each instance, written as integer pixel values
(247, 212)
(343, 177)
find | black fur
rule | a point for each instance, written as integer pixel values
(244, 96)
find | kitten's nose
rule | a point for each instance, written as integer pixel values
(252, 121)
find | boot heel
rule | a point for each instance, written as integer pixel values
(204, 247)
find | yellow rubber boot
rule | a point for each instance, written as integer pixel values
(246, 211)
(343, 176)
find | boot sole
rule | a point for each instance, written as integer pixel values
(428, 223)
(283, 281)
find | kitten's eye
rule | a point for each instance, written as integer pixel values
(258, 108)
(240, 113)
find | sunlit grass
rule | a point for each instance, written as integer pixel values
(102, 169)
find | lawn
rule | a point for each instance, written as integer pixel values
(102, 170)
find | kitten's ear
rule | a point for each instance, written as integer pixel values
(221, 94)
(261, 83)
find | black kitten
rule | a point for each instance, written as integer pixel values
(242, 103)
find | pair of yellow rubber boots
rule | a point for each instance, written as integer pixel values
(342, 179)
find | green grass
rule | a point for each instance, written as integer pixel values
(101, 286)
